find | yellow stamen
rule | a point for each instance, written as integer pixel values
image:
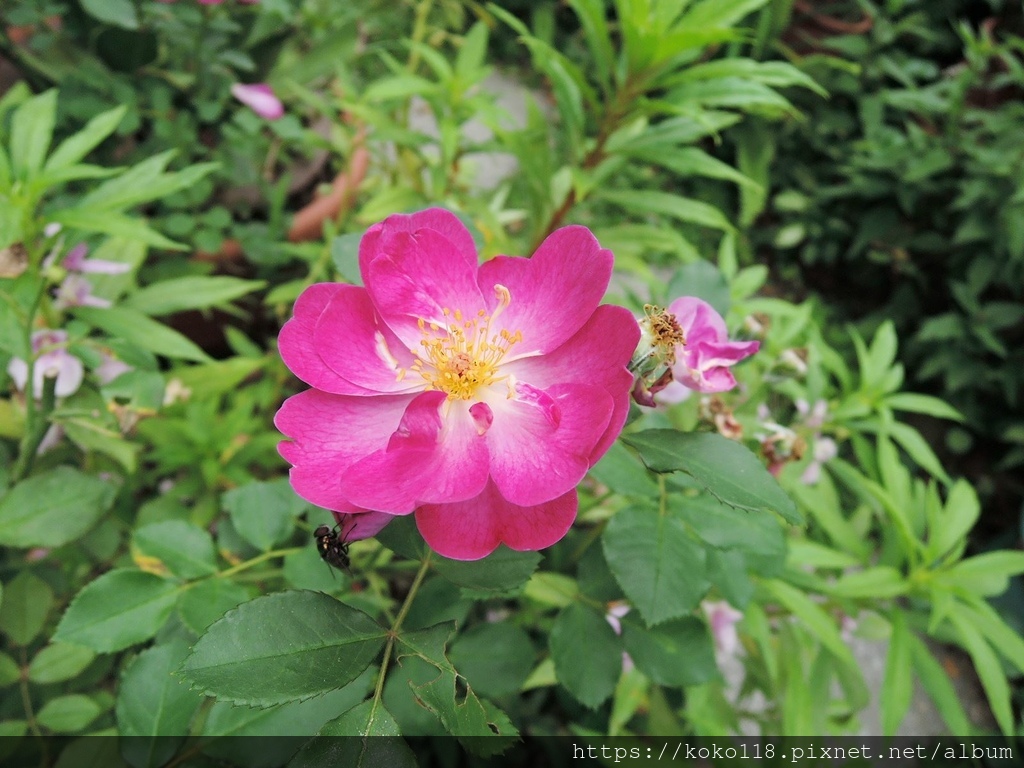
(464, 355)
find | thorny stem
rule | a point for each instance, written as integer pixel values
(393, 633)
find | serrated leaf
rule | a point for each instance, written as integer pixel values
(676, 653)
(185, 549)
(728, 470)
(369, 719)
(153, 704)
(656, 562)
(464, 716)
(118, 609)
(587, 654)
(208, 600)
(53, 508)
(501, 571)
(27, 602)
(193, 292)
(264, 513)
(496, 658)
(317, 643)
(136, 328)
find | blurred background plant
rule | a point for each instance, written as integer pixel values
(762, 155)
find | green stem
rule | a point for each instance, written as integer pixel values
(26, 697)
(393, 633)
(256, 561)
(37, 424)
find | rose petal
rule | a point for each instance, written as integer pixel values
(331, 433)
(471, 529)
(378, 239)
(597, 354)
(436, 454)
(349, 339)
(543, 307)
(533, 459)
(356, 526)
(419, 278)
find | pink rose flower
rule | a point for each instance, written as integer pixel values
(476, 396)
(703, 362)
(260, 99)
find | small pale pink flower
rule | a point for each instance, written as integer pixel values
(110, 368)
(476, 396)
(703, 361)
(722, 619)
(260, 99)
(75, 261)
(76, 291)
(52, 359)
(825, 449)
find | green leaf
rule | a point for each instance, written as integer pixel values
(501, 571)
(142, 183)
(91, 435)
(676, 653)
(59, 662)
(989, 670)
(193, 292)
(703, 280)
(306, 634)
(367, 719)
(295, 718)
(31, 132)
(919, 450)
(91, 752)
(112, 223)
(591, 14)
(987, 574)
(120, 608)
(208, 600)
(184, 549)
(345, 255)
(10, 672)
(587, 654)
(931, 406)
(898, 682)
(723, 527)
(119, 13)
(813, 617)
(936, 683)
(718, 13)
(27, 602)
(462, 714)
(53, 508)
(646, 202)
(656, 562)
(218, 377)
(623, 473)
(76, 147)
(959, 515)
(728, 470)
(495, 658)
(998, 633)
(134, 327)
(879, 582)
(153, 702)
(68, 714)
(264, 513)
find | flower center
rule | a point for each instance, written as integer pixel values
(465, 353)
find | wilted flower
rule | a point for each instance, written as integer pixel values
(686, 343)
(260, 98)
(52, 360)
(477, 396)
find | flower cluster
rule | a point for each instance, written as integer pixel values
(475, 396)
